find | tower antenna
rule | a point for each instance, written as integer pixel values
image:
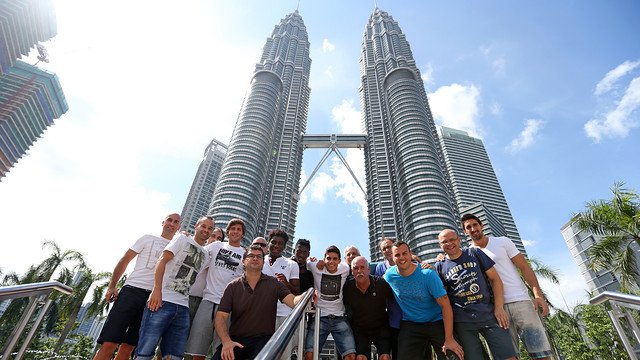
(298, 6)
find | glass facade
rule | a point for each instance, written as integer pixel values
(408, 193)
(260, 177)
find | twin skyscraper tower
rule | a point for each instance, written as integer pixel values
(409, 187)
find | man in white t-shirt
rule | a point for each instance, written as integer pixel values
(197, 289)
(166, 316)
(287, 272)
(328, 282)
(525, 321)
(123, 323)
(225, 265)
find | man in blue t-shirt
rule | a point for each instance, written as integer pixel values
(427, 315)
(463, 273)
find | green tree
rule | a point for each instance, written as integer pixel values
(48, 267)
(58, 262)
(70, 306)
(604, 340)
(617, 221)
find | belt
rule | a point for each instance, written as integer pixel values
(332, 316)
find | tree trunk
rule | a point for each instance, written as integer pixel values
(67, 329)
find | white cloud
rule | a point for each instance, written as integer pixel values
(528, 243)
(320, 185)
(91, 182)
(499, 65)
(339, 180)
(498, 62)
(347, 118)
(618, 122)
(496, 109)
(456, 106)
(426, 74)
(614, 75)
(327, 46)
(329, 72)
(527, 136)
(346, 187)
(571, 291)
(349, 122)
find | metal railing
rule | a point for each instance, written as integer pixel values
(284, 334)
(619, 304)
(39, 294)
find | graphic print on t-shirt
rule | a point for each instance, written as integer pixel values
(463, 280)
(189, 269)
(228, 259)
(330, 286)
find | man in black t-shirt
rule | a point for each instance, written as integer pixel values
(365, 297)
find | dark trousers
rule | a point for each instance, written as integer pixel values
(252, 347)
(394, 342)
(414, 336)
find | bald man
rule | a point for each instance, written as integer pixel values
(464, 273)
(121, 329)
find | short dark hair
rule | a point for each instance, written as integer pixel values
(278, 233)
(221, 232)
(333, 249)
(400, 243)
(253, 247)
(206, 217)
(467, 217)
(237, 221)
(303, 242)
(393, 240)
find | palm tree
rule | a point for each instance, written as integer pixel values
(617, 221)
(542, 271)
(70, 306)
(56, 259)
(56, 262)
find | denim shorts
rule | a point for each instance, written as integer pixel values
(338, 327)
(169, 323)
(498, 339)
(123, 321)
(526, 325)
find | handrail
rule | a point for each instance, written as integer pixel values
(616, 296)
(278, 342)
(621, 319)
(26, 290)
(37, 292)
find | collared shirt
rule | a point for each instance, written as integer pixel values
(286, 267)
(368, 309)
(253, 311)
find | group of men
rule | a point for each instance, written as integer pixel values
(187, 294)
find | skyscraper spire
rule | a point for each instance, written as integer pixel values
(408, 193)
(261, 174)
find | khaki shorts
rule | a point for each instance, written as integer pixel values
(526, 325)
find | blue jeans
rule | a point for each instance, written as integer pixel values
(338, 327)
(498, 339)
(169, 323)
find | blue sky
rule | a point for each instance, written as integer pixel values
(552, 88)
